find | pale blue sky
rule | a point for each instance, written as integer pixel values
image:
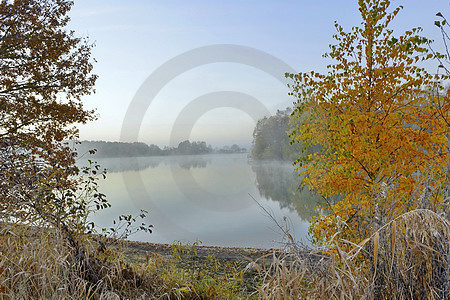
(133, 38)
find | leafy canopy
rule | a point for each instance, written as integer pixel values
(381, 121)
(44, 72)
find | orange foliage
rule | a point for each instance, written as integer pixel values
(382, 122)
(45, 70)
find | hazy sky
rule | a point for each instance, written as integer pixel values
(135, 38)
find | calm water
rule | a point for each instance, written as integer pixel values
(208, 199)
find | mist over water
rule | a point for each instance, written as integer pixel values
(208, 198)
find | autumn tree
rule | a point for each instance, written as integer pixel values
(383, 132)
(45, 70)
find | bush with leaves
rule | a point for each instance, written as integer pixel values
(45, 70)
(380, 126)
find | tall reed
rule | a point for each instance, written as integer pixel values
(406, 258)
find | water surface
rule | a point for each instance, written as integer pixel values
(208, 199)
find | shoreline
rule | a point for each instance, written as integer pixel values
(140, 251)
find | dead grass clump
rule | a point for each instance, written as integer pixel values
(41, 264)
(407, 258)
(38, 267)
(413, 259)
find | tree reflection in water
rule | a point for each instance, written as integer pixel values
(125, 164)
(278, 181)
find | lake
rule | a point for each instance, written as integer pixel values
(208, 199)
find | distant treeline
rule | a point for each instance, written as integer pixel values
(271, 138)
(136, 149)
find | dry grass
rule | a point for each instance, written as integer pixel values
(407, 258)
(41, 264)
(37, 265)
